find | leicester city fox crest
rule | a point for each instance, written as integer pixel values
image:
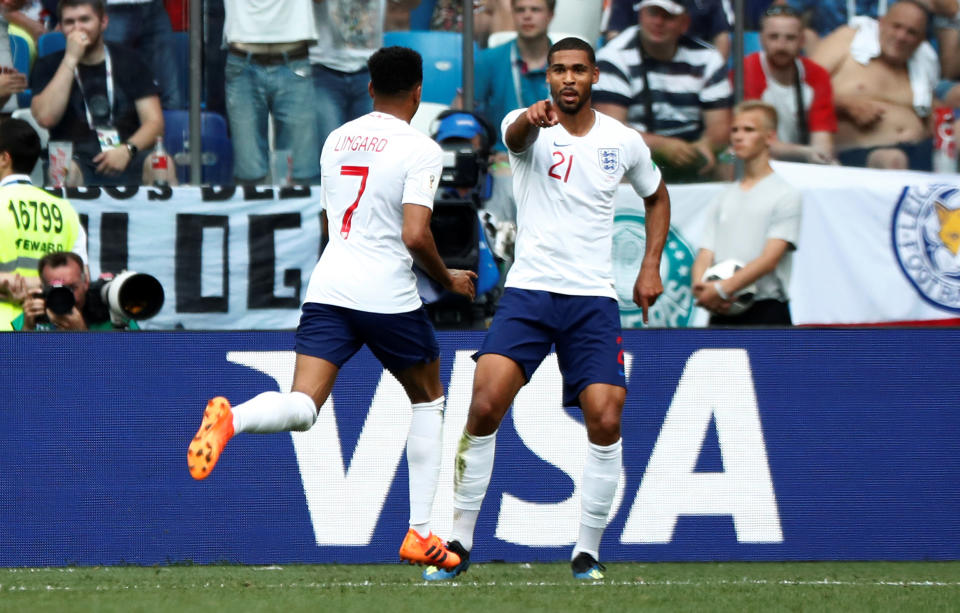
(926, 241)
(609, 159)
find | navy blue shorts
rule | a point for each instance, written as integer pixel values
(398, 340)
(585, 330)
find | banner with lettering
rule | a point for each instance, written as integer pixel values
(227, 257)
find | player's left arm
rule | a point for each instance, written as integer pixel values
(649, 285)
(418, 239)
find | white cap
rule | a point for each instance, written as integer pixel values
(671, 6)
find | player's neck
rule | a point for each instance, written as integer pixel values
(533, 51)
(754, 170)
(400, 110)
(580, 122)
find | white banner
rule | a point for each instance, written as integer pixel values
(228, 258)
(875, 246)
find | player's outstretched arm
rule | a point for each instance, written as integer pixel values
(649, 285)
(523, 131)
(419, 241)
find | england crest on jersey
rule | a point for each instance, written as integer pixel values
(609, 160)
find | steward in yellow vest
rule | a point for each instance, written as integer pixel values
(32, 221)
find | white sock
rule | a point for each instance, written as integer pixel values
(471, 476)
(275, 412)
(601, 473)
(424, 451)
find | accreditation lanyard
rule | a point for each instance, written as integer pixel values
(852, 9)
(108, 65)
(515, 68)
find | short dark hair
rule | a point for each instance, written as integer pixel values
(395, 70)
(99, 6)
(20, 140)
(56, 259)
(572, 43)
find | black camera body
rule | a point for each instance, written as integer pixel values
(59, 298)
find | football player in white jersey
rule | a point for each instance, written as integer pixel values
(568, 160)
(380, 177)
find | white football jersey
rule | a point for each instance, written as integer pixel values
(370, 167)
(564, 187)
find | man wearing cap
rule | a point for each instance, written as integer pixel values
(670, 87)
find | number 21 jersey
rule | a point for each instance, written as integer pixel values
(370, 167)
(565, 187)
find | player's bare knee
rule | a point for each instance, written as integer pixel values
(604, 429)
(484, 417)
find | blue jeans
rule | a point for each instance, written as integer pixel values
(253, 93)
(146, 28)
(339, 97)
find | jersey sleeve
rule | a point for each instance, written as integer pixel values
(507, 120)
(642, 173)
(423, 174)
(785, 221)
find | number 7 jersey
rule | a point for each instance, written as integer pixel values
(565, 187)
(370, 167)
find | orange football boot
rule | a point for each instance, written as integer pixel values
(431, 550)
(215, 430)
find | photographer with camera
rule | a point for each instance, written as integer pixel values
(32, 221)
(69, 301)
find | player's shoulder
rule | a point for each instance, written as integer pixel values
(608, 127)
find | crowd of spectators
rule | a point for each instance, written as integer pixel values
(854, 82)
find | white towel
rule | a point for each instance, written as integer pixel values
(923, 67)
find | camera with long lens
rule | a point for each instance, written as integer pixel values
(120, 298)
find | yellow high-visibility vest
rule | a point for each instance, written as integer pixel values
(33, 223)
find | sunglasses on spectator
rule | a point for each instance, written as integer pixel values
(781, 11)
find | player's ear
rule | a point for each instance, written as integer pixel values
(596, 74)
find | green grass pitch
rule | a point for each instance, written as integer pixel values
(806, 586)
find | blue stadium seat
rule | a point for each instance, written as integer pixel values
(51, 42)
(217, 157)
(20, 50)
(442, 60)
(420, 17)
(751, 42)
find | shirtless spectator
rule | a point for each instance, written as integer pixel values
(883, 74)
